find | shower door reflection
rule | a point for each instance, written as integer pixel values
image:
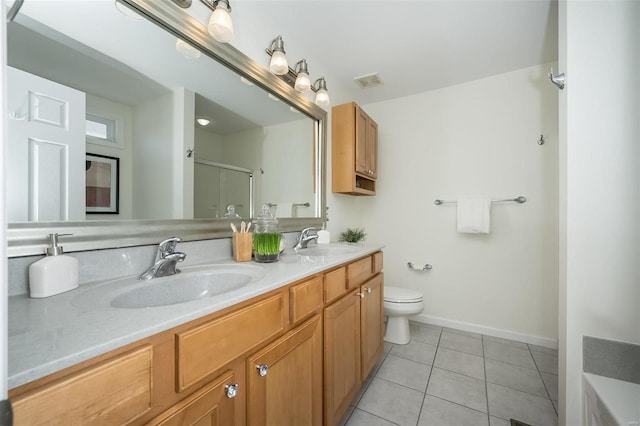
(217, 186)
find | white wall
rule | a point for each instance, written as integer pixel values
(600, 173)
(281, 143)
(184, 116)
(153, 150)
(123, 114)
(477, 139)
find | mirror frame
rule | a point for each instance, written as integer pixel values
(27, 238)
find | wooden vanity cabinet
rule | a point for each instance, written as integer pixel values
(125, 384)
(293, 356)
(353, 333)
(371, 324)
(284, 380)
(354, 150)
(213, 405)
(342, 371)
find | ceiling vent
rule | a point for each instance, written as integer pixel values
(368, 81)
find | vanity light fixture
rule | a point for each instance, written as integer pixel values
(278, 64)
(187, 50)
(297, 78)
(220, 25)
(202, 121)
(322, 96)
(302, 84)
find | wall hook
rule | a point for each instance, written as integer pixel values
(541, 140)
(189, 152)
(558, 80)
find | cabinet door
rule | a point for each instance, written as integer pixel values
(341, 356)
(212, 405)
(114, 392)
(371, 323)
(284, 380)
(362, 120)
(372, 149)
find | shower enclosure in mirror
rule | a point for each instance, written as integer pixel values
(194, 138)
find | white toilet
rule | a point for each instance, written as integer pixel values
(399, 304)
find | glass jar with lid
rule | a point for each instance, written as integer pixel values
(266, 238)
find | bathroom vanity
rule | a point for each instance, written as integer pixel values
(292, 347)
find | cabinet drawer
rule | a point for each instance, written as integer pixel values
(377, 262)
(305, 298)
(111, 393)
(358, 272)
(209, 406)
(335, 284)
(204, 349)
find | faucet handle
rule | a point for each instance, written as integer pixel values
(305, 232)
(168, 247)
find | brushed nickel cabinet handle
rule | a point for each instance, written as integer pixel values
(231, 390)
(263, 369)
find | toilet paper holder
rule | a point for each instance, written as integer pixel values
(424, 267)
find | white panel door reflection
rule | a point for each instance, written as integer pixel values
(46, 132)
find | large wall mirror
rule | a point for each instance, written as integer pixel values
(124, 129)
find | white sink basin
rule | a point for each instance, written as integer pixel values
(193, 283)
(327, 250)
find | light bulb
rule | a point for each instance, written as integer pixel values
(187, 50)
(303, 84)
(322, 98)
(278, 64)
(220, 25)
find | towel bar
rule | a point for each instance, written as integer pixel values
(294, 205)
(518, 200)
(425, 267)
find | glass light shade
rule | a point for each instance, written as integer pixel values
(303, 84)
(187, 50)
(220, 25)
(322, 98)
(203, 121)
(128, 12)
(278, 64)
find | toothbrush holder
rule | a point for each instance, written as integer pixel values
(242, 246)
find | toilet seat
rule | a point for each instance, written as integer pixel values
(401, 295)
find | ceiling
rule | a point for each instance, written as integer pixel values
(415, 46)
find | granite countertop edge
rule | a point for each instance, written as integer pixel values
(48, 335)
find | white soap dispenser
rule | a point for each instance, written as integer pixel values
(54, 274)
(324, 236)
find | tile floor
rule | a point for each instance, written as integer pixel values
(449, 377)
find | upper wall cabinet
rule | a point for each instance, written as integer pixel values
(354, 150)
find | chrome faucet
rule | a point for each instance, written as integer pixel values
(166, 260)
(304, 238)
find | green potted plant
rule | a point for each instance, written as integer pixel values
(354, 235)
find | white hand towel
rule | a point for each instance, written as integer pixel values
(284, 209)
(474, 216)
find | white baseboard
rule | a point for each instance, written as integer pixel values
(489, 331)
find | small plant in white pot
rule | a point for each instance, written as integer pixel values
(353, 236)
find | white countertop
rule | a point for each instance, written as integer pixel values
(48, 335)
(618, 402)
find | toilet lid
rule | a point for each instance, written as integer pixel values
(401, 295)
